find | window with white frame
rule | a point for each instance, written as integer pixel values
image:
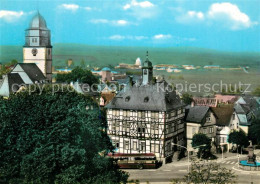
(154, 128)
(134, 145)
(142, 146)
(113, 125)
(205, 130)
(155, 115)
(126, 145)
(117, 126)
(155, 148)
(211, 130)
(126, 126)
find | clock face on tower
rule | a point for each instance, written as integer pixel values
(34, 51)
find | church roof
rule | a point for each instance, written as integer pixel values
(33, 71)
(38, 22)
(154, 97)
(147, 62)
(14, 79)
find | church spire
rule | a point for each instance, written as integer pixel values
(147, 71)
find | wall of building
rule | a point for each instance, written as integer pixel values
(131, 131)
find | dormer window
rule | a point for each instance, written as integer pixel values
(146, 99)
(127, 98)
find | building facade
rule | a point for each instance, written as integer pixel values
(37, 48)
(200, 119)
(246, 110)
(146, 117)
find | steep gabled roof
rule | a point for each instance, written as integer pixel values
(33, 72)
(10, 84)
(197, 114)
(223, 114)
(14, 81)
(146, 97)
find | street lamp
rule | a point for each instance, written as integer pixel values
(188, 154)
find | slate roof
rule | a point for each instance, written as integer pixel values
(32, 70)
(223, 114)
(38, 22)
(136, 78)
(14, 80)
(251, 105)
(146, 97)
(197, 113)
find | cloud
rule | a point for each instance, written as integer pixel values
(117, 37)
(71, 7)
(231, 15)
(142, 9)
(99, 21)
(191, 17)
(224, 14)
(127, 37)
(198, 15)
(110, 22)
(121, 22)
(88, 8)
(134, 3)
(10, 16)
(162, 36)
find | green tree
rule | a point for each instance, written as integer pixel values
(187, 98)
(253, 132)
(211, 172)
(78, 74)
(204, 151)
(13, 62)
(7, 67)
(49, 138)
(239, 138)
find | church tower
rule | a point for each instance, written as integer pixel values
(37, 48)
(147, 71)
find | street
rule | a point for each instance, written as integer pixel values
(179, 169)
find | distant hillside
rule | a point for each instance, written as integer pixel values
(111, 55)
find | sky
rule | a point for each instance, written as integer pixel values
(220, 25)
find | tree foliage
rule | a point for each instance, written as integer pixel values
(254, 131)
(239, 138)
(209, 172)
(7, 67)
(52, 138)
(187, 98)
(78, 74)
(204, 151)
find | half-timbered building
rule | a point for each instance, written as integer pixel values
(146, 117)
